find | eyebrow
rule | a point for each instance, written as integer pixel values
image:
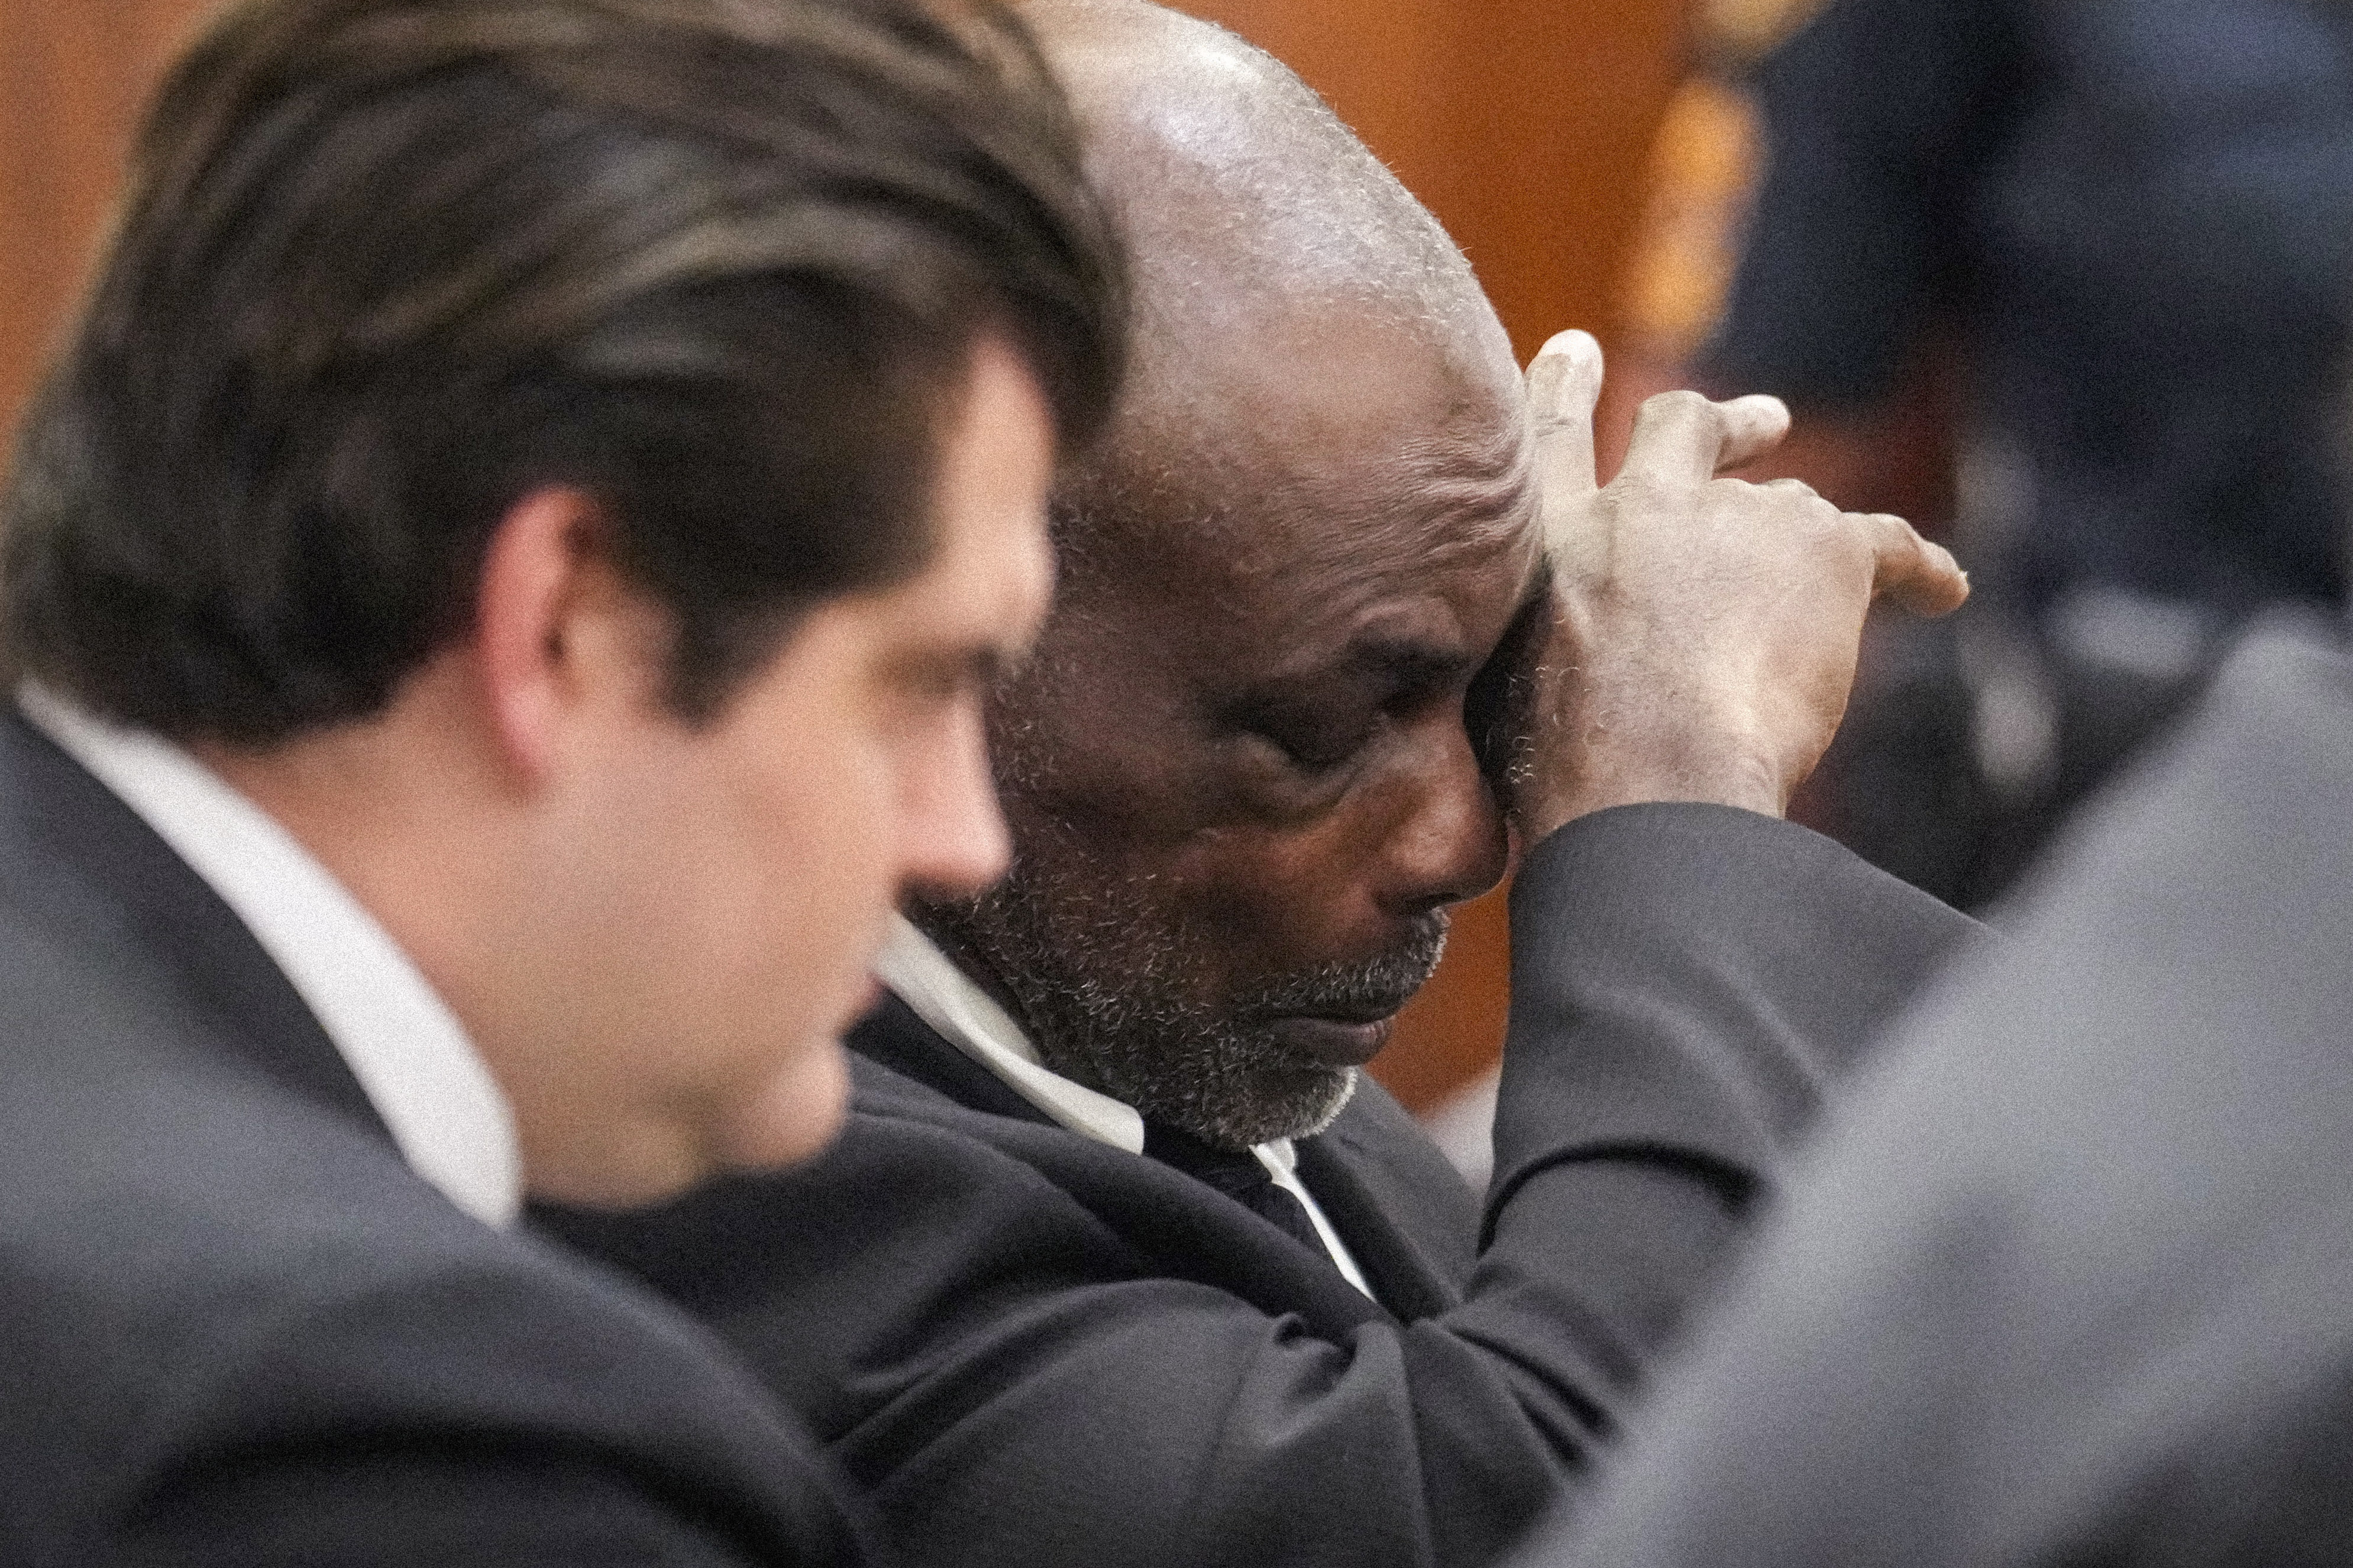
(983, 663)
(1412, 659)
(1409, 661)
(1396, 663)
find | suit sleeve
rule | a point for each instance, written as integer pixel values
(447, 1499)
(482, 1417)
(1688, 982)
(1015, 1370)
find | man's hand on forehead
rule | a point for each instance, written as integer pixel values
(1705, 629)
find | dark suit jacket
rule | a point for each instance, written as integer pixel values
(2073, 1284)
(2098, 195)
(235, 1328)
(1031, 1348)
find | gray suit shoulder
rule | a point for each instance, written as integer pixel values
(2065, 1284)
(238, 1328)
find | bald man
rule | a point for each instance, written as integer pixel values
(1121, 1260)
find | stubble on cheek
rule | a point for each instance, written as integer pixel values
(1120, 995)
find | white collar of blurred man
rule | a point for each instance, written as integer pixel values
(411, 1056)
(973, 1021)
(569, 940)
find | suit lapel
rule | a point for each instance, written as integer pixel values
(894, 1035)
(1190, 1229)
(73, 855)
(1405, 1213)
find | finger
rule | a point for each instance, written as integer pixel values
(1681, 438)
(1564, 383)
(1922, 577)
(1677, 437)
(1753, 426)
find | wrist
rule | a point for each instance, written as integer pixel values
(1710, 772)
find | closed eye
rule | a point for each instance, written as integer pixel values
(1322, 725)
(1319, 745)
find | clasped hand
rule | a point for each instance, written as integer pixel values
(1703, 630)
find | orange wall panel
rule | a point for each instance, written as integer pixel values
(1526, 127)
(74, 77)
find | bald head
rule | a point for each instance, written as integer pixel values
(1255, 218)
(1238, 772)
(1239, 184)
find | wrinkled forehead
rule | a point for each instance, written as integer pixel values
(1326, 453)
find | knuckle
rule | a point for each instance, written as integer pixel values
(1642, 490)
(1898, 536)
(1747, 497)
(1550, 423)
(1680, 405)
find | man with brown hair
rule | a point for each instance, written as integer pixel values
(504, 574)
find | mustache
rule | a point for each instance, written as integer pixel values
(1367, 988)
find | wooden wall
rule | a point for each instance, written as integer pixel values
(74, 77)
(1524, 125)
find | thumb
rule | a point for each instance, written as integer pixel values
(1564, 385)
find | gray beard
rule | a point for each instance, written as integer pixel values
(1107, 994)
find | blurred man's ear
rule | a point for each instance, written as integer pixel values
(555, 627)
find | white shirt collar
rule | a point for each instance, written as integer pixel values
(446, 1112)
(947, 999)
(943, 996)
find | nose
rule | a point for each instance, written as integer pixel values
(952, 835)
(1450, 844)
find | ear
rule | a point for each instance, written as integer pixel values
(542, 577)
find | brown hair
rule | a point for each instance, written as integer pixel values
(389, 265)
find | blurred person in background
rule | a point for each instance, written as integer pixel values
(503, 574)
(2104, 243)
(1121, 1259)
(2066, 1281)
